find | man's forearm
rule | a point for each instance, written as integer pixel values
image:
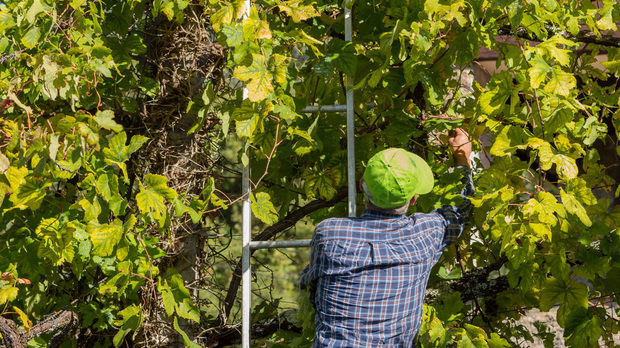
(461, 147)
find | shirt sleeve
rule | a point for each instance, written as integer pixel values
(312, 272)
(457, 217)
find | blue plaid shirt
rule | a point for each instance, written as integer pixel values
(369, 274)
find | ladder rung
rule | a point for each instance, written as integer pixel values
(324, 108)
(273, 244)
(330, 108)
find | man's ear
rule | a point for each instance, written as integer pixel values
(412, 201)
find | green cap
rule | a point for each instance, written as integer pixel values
(393, 176)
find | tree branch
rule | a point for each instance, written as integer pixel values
(232, 334)
(584, 36)
(14, 337)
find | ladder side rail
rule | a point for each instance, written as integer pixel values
(348, 35)
(247, 243)
(246, 275)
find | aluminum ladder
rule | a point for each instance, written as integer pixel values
(248, 244)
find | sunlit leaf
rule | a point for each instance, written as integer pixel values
(104, 236)
(263, 209)
(31, 37)
(257, 77)
(573, 206)
(105, 119)
(297, 11)
(153, 194)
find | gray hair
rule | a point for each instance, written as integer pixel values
(402, 210)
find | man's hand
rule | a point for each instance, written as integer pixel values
(461, 146)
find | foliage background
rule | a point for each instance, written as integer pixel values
(123, 132)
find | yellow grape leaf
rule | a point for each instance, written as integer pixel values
(222, 16)
(23, 318)
(255, 28)
(105, 236)
(262, 31)
(257, 78)
(561, 82)
(297, 11)
(8, 294)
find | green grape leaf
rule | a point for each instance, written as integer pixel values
(538, 71)
(544, 208)
(91, 210)
(136, 142)
(246, 128)
(431, 328)
(29, 193)
(582, 329)
(117, 152)
(594, 130)
(451, 307)
(107, 186)
(53, 147)
(234, 34)
(561, 82)
(188, 343)
(5, 163)
(613, 66)
(570, 293)
(56, 241)
(222, 17)
(498, 91)
(552, 50)
(245, 111)
(6, 20)
(567, 168)
(131, 321)
(508, 139)
(573, 206)
(495, 341)
(152, 196)
(31, 38)
(176, 297)
(580, 190)
(263, 209)
(320, 181)
(105, 119)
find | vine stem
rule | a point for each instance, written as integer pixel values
(150, 267)
(276, 143)
(539, 113)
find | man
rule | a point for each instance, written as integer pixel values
(368, 275)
